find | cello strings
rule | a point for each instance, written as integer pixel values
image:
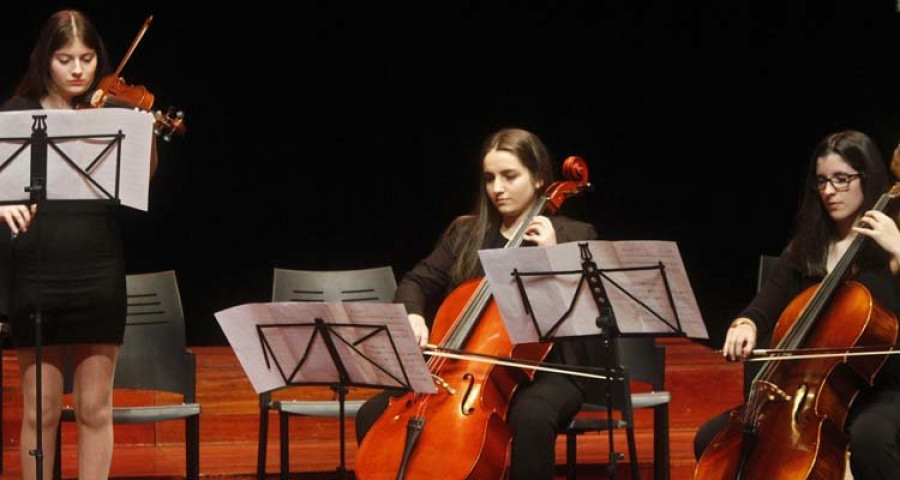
(800, 330)
(465, 322)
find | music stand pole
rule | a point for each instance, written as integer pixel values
(606, 321)
(340, 387)
(38, 193)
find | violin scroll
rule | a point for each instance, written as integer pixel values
(169, 123)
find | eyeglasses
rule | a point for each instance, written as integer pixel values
(840, 181)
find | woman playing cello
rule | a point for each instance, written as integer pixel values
(516, 167)
(846, 177)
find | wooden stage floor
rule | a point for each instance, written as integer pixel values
(701, 385)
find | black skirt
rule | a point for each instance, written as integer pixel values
(70, 265)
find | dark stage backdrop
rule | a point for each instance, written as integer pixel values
(331, 135)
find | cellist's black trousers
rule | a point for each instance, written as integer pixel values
(874, 428)
(539, 411)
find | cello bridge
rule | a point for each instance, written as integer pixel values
(443, 384)
(773, 391)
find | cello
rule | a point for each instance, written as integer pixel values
(792, 425)
(461, 431)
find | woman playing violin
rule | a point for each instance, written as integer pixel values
(515, 167)
(76, 247)
(846, 177)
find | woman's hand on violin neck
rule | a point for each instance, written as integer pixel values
(18, 217)
(420, 329)
(740, 339)
(540, 232)
(881, 229)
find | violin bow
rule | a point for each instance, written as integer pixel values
(780, 355)
(134, 45)
(443, 352)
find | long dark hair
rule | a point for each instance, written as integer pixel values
(61, 28)
(530, 150)
(815, 230)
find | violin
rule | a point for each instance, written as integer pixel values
(837, 337)
(461, 431)
(113, 91)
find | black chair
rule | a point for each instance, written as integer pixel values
(154, 356)
(642, 360)
(766, 264)
(368, 285)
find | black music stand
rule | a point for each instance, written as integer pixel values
(306, 349)
(329, 333)
(37, 188)
(593, 277)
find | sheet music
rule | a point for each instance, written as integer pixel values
(550, 296)
(66, 183)
(290, 337)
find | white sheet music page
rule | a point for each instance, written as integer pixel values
(649, 287)
(63, 181)
(550, 296)
(370, 354)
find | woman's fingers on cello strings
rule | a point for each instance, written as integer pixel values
(541, 231)
(880, 228)
(875, 220)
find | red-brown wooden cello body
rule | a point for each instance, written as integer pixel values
(461, 431)
(792, 426)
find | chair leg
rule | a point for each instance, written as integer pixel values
(57, 457)
(661, 442)
(192, 447)
(571, 453)
(632, 452)
(285, 445)
(262, 442)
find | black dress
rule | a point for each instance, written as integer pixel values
(70, 263)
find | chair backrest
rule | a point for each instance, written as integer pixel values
(366, 285)
(154, 354)
(642, 360)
